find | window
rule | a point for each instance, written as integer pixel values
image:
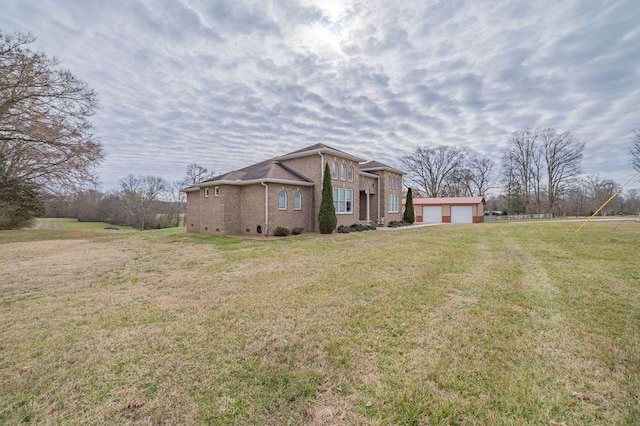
(394, 203)
(206, 192)
(343, 172)
(334, 170)
(297, 200)
(350, 174)
(343, 200)
(216, 191)
(282, 200)
(400, 182)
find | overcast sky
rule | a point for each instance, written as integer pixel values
(228, 83)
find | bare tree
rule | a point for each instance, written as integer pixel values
(45, 132)
(480, 175)
(138, 193)
(196, 174)
(599, 191)
(635, 149)
(518, 161)
(543, 163)
(433, 170)
(632, 201)
(562, 156)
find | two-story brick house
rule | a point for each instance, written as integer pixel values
(287, 190)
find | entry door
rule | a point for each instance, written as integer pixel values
(432, 214)
(461, 214)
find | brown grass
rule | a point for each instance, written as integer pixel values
(498, 323)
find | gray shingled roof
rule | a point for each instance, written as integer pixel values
(314, 147)
(268, 169)
(376, 165)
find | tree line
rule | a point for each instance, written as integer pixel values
(144, 202)
(539, 172)
(48, 155)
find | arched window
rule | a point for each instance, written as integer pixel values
(343, 172)
(334, 170)
(282, 200)
(350, 174)
(297, 200)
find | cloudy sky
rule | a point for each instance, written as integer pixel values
(231, 82)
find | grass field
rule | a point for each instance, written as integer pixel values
(478, 324)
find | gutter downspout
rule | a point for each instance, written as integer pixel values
(379, 190)
(321, 183)
(266, 209)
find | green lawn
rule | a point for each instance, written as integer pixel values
(480, 324)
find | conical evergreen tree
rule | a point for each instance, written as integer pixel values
(327, 216)
(409, 212)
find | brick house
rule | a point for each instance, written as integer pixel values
(287, 190)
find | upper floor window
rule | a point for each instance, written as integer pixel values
(390, 181)
(343, 172)
(334, 170)
(350, 174)
(216, 191)
(297, 200)
(206, 192)
(282, 200)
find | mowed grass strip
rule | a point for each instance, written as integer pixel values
(484, 324)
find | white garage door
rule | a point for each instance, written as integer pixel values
(432, 214)
(461, 214)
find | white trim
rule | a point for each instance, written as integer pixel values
(249, 182)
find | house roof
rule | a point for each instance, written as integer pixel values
(319, 148)
(447, 200)
(273, 171)
(372, 165)
(265, 171)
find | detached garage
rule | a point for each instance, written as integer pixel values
(449, 209)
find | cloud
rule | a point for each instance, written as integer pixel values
(228, 83)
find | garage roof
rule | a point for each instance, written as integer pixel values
(450, 201)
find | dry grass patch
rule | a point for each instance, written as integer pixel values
(487, 324)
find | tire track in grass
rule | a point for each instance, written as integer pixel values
(580, 388)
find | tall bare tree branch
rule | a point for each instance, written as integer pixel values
(45, 128)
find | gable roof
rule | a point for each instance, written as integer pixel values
(319, 148)
(268, 171)
(447, 200)
(371, 166)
